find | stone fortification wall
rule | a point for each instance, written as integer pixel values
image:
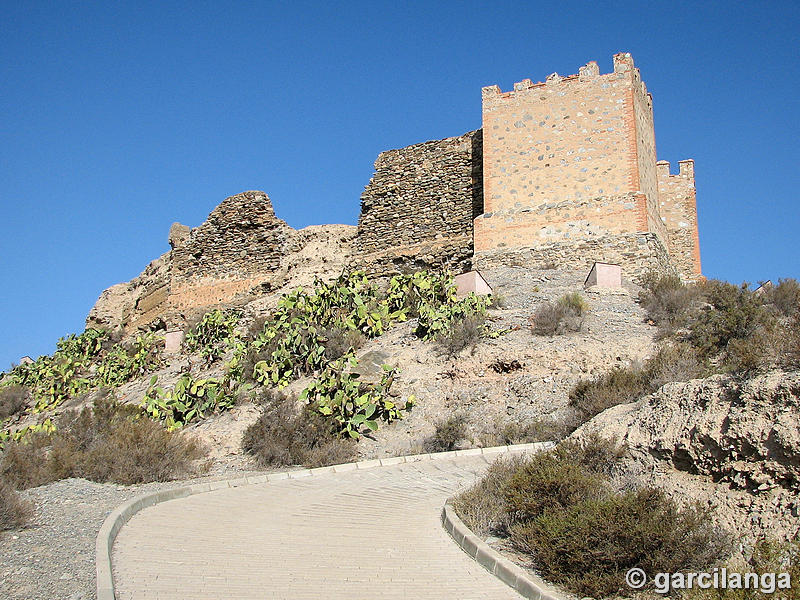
(637, 253)
(565, 152)
(241, 238)
(241, 250)
(417, 210)
(678, 207)
(643, 129)
(563, 173)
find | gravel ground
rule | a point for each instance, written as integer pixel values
(53, 558)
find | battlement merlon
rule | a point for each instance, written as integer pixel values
(623, 69)
(685, 170)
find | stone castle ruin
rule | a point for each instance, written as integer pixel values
(562, 173)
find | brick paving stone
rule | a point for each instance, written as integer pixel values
(372, 534)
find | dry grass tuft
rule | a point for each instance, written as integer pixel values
(108, 442)
(14, 511)
(13, 399)
(448, 434)
(557, 318)
(284, 436)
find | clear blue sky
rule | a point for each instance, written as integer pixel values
(119, 118)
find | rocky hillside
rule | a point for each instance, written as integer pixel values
(512, 380)
(730, 444)
(727, 441)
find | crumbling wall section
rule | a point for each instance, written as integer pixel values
(237, 249)
(241, 238)
(417, 210)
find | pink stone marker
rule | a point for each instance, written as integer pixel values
(604, 275)
(472, 281)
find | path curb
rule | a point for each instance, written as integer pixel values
(527, 584)
(122, 514)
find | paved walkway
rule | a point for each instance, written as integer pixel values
(371, 534)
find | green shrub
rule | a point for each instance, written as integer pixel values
(285, 436)
(763, 348)
(519, 485)
(666, 299)
(673, 362)
(214, 335)
(589, 545)
(448, 433)
(14, 511)
(556, 318)
(730, 327)
(482, 507)
(13, 399)
(462, 334)
(560, 508)
(594, 453)
(785, 297)
(548, 481)
(621, 385)
(108, 442)
(732, 312)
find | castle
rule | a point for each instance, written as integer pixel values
(562, 173)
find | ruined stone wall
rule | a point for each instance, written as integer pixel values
(417, 210)
(567, 158)
(678, 207)
(236, 249)
(562, 174)
(242, 237)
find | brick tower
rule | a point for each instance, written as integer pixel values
(570, 177)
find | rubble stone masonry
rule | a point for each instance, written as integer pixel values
(418, 209)
(236, 249)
